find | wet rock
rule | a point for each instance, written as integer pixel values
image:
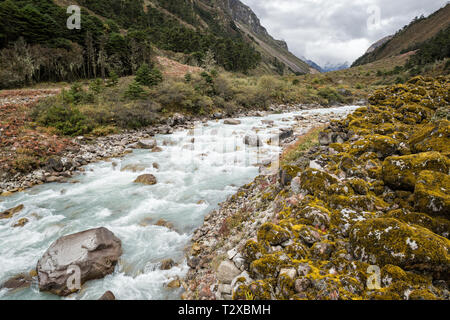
(133, 168)
(108, 295)
(21, 223)
(164, 223)
(21, 281)
(147, 179)
(253, 141)
(157, 149)
(232, 122)
(11, 212)
(167, 264)
(94, 253)
(174, 284)
(227, 271)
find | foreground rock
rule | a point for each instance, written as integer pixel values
(93, 252)
(108, 295)
(147, 179)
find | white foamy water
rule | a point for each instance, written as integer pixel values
(193, 177)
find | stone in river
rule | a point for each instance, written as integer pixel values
(232, 122)
(108, 295)
(147, 179)
(88, 255)
(10, 212)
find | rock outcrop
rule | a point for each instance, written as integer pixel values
(74, 259)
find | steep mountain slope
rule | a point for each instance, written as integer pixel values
(417, 32)
(273, 51)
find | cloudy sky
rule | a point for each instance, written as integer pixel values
(337, 30)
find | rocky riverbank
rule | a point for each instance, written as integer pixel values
(84, 150)
(361, 215)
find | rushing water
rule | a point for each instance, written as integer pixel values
(193, 177)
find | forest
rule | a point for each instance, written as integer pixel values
(116, 35)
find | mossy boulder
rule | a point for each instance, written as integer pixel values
(315, 215)
(257, 290)
(432, 193)
(273, 234)
(384, 241)
(269, 265)
(253, 251)
(431, 137)
(438, 225)
(315, 182)
(401, 172)
(383, 146)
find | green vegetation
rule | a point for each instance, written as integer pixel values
(37, 46)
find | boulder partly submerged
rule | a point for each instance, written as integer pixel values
(147, 179)
(94, 253)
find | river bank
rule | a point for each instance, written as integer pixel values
(84, 150)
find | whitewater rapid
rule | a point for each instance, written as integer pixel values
(198, 169)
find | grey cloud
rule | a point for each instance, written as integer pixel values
(335, 31)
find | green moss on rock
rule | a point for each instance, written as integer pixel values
(402, 171)
(388, 241)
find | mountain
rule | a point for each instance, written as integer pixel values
(409, 38)
(328, 67)
(275, 53)
(335, 66)
(379, 43)
(120, 35)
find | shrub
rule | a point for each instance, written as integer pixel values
(330, 95)
(148, 76)
(113, 79)
(67, 120)
(96, 86)
(134, 91)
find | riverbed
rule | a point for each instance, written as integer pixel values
(196, 170)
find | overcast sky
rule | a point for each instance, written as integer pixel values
(337, 30)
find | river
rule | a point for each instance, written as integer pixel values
(198, 169)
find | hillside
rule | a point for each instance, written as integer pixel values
(410, 37)
(120, 35)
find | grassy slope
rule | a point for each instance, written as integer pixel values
(414, 34)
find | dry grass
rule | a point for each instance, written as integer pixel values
(171, 68)
(303, 143)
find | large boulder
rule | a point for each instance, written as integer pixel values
(94, 253)
(401, 172)
(147, 179)
(383, 241)
(432, 193)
